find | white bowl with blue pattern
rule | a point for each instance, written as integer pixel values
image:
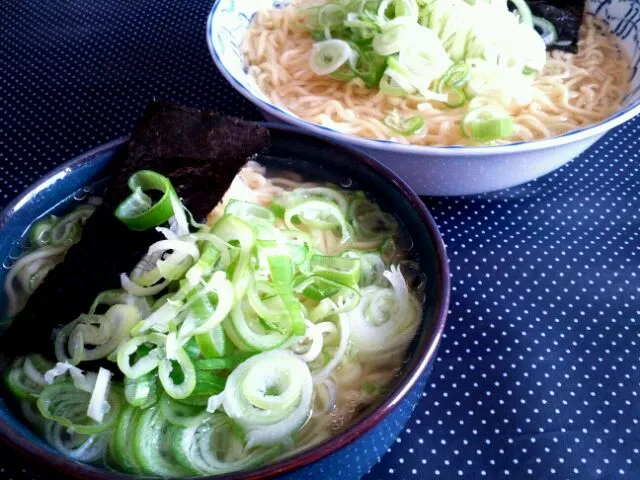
(453, 170)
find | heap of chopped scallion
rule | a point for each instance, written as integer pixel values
(221, 333)
(445, 51)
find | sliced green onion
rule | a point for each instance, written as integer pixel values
(120, 445)
(372, 265)
(546, 29)
(92, 337)
(268, 306)
(385, 318)
(207, 384)
(141, 392)
(346, 299)
(269, 395)
(345, 73)
(192, 349)
(249, 212)
(391, 39)
(83, 448)
(407, 127)
(457, 75)
(394, 81)
(180, 414)
(524, 12)
(330, 15)
(213, 343)
(339, 269)
(318, 288)
(35, 367)
(175, 265)
(231, 229)
(328, 56)
(370, 67)
(486, 129)
(98, 404)
(364, 26)
(163, 315)
(244, 329)
(119, 296)
(68, 229)
(29, 410)
(389, 86)
(80, 380)
(204, 266)
(40, 232)
(138, 291)
(406, 8)
(146, 363)
(146, 272)
(138, 211)
(149, 445)
(370, 222)
(224, 363)
(281, 269)
(62, 402)
(179, 359)
(20, 384)
(224, 291)
(455, 94)
(320, 214)
(213, 448)
(382, 18)
(321, 375)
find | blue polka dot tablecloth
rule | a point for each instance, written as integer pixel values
(537, 375)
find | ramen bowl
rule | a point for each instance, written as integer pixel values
(349, 454)
(450, 170)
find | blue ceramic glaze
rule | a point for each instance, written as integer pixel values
(348, 455)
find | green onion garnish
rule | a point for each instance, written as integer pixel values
(411, 126)
(222, 334)
(486, 130)
(138, 211)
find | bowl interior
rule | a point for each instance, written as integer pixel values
(230, 19)
(314, 159)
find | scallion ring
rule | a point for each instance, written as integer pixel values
(546, 29)
(406, 127)
(328, 56)
(138, 211)
(484, 128)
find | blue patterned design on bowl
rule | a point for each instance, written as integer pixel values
(430, 170)
(353, 452)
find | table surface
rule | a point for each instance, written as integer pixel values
(537, 375)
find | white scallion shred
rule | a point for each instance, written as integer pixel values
(80, 380)
(181, 223)
(138, 291)
(98, 404)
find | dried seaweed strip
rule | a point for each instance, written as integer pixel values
(200, 152)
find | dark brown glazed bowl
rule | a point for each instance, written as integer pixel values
(353, 452)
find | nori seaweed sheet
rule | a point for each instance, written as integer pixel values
(565, 15)
(200, 152)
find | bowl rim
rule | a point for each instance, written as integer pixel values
(423, 357)
(576, 135)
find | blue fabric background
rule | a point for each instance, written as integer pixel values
(537, 376)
